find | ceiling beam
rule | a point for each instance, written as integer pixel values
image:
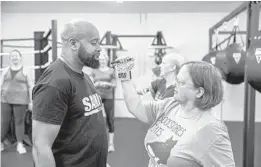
(114, 7)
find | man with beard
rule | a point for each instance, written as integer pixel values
(68, 126)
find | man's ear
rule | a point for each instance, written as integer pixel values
(73, 44)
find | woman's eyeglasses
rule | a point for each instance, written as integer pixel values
(180, 83)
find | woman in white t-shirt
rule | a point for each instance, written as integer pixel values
(183, 131)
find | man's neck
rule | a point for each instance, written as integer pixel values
(72, 63)
(169, 78)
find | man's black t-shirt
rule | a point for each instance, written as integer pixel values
(64, 97)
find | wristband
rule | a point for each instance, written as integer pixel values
(124, 76)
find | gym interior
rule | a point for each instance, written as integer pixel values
(196, 29)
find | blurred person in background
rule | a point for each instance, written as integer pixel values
(162, 87)
(16, 88)
(104, 81)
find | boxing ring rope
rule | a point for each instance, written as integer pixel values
(46, 49)
(25, 46)
(47, 33)
(16, 46)
(17, 39)
(34, 67)
(23, 39)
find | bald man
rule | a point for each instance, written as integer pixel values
(68, 125)
(162, 87)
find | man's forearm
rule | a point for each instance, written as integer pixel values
(43, 157)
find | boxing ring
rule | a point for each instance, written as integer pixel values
(40, 50)
(42, 46)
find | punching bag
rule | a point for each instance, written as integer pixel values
(236, 57)
(158, 59)
(222, 63)
(210, 57)
(232, 63)
(254, 64)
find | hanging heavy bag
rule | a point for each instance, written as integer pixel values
(232, 61)
(159, 53)
(236, 63)
(158, 60)
(254, 64)
(210, 57)
(222, 63)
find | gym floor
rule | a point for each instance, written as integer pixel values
(130, 150)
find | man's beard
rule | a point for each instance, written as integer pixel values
(91, 62)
